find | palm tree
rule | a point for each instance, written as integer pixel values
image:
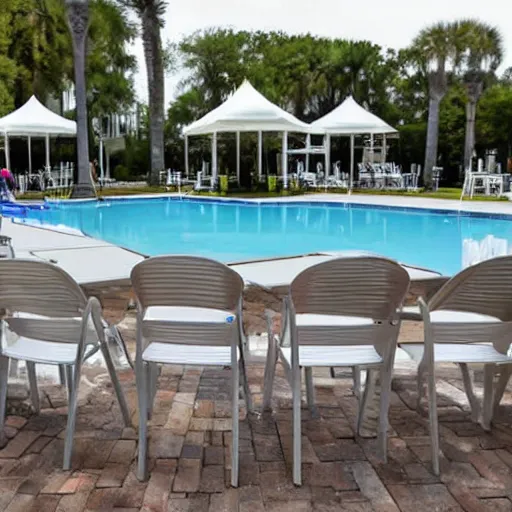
(481, 52)
(78, 18)
(151, 14)
(435, 47)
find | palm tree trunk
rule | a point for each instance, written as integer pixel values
(432, 140)
(469, 143)
(155, 72)
(78, 18)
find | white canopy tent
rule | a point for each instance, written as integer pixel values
(33, 119)
(349, 118)
(246, 110)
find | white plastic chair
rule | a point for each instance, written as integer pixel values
(53, 323)
(473, 309)
(189, 311)
(344, 312)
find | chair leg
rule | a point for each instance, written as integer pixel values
(142, 394)
(4, 374)
(62, 375)
(488, 400)
(419, 383)
(116, 334)
(268, 379)
(356, 377)
(310, 392)
(235, 376)
(386, 376)
(468, 386)
(117, 386)
(434, 427)
(72, 406)
(152, 376)
(245, 383)
(505, 372)
(69, 379)
(297, 435)
(366, 398)
(32, 380)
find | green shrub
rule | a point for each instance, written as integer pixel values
(223, 184)
(121, 173)
(272, 183)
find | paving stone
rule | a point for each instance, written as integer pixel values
(292, 506)
(279, 486)
(330, 474)
(123, 452)
(159, 486)
(17, 446)
(213, 455)
(225, 502)
(212, 479)
(130, 495)
(17, 422)
(38, 445)
(201, 424)
(73, 502)
(112, 475)
(192, 451)
(222, 424)
(44, 503)
(429, 497)
(341, 449)
(267, 448)
(204, 409)
(165, 445)
(372, 488)
(188, 476)
(196, 438)
(497, 505)
(179, 417)
(20, 503)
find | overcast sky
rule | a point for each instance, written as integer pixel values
(389, 23)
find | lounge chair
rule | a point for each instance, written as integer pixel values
(189, 312)
(343, 312)
(53, 323)
(473, 309)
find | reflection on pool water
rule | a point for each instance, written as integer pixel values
(231, 231)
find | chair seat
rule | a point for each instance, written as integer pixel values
(188, 314)
(47, 352)
(309, 320)
(458, 353)
(201, 355)
(335, 355)
(446, 316)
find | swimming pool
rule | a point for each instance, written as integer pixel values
(233, 231)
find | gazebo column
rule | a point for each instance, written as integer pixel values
(384, 148)
(260, 155)
(285, 160)
(102, 170)
(214, 158)
(327, 148)
(29, 145)
(7, 152)
(186, 156)
(47, 147)
(351, 183)
(308, 145)
(238, 158)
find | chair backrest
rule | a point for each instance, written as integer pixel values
(361, 286)
(188, 281)
(484, 288)
(39, 288)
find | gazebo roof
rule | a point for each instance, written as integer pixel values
(349, 118)
(246, 110)
(34, 119)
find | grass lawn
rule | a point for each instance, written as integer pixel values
(442, 193)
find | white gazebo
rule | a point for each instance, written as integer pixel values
(33, 119)
(349, 119)
(246, 110)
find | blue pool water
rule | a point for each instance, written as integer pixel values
(231, 231)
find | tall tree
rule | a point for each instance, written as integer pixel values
(435, 47)
(151, 14)
(78, 18)
(481, 51)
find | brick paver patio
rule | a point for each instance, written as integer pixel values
(189, 451)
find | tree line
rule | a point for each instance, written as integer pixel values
(442, 93)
